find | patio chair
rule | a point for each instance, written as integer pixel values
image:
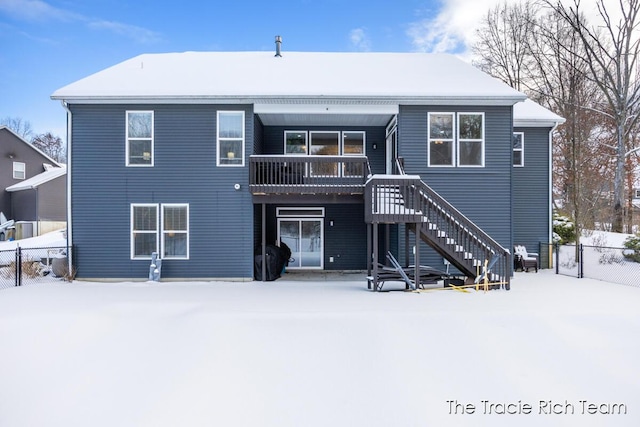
(525, 260)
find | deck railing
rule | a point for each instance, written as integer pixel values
(279, 174)
(407, 199)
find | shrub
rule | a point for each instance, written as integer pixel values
(564, 230)
(632, 245)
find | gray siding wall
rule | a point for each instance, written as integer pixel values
(345, 241)
(482, 194)
(52, 200)
(24, 205)
(531, 198)
(103, 189)
(21, 152)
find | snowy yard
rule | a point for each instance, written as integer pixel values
(319, 353)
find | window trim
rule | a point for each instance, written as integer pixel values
(521, 151)
(364, 142)
(452, 139)
(459, 139)
(306, 140)
(159, 231)
(241, 139)
(17, 170)
(128, 139)
(164, 232)
(131, 230)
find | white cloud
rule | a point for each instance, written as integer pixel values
(360, 40)
(35, 10)
(141, 35)
(40, 11)
(452, 28)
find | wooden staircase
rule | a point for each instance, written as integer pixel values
(406, 199)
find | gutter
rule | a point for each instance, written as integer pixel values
(69, 168)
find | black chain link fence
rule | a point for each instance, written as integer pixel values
(598, 262)
(26, 266)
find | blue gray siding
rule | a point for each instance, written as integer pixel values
(531, 194)
(103, 189)
(345, 241)
(482, 194)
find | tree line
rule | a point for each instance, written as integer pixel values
(584, 67)
(50, 144)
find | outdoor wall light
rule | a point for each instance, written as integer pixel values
(236, 187)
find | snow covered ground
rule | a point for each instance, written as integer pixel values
(319, 353)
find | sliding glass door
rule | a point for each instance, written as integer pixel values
(304, 237)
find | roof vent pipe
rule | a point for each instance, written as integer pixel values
(278, 44)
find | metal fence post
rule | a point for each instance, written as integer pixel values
(18, 266)
(557, 253)
(581, 264)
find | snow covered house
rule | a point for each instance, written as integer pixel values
(32, 185)
(207, 157)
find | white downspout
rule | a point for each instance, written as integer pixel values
(69, 219)
(555, 126)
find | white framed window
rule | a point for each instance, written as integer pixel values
(144, 230)
(455, 139)
(471, 139)
(19, 170)
(160, 228)
(139, 150)
(441, 139)
(353, 144)
(518, 148)
(230, 138)
(175, 231)
(295, 142)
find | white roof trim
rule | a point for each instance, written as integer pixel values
(36, 181)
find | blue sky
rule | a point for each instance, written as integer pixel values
(47, 44)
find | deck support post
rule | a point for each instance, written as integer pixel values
(264, 242)
(369, 250)
(375, 256)
(416, 260)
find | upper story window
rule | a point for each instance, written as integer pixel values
(470, 139)
(456, 140)
(230, 138)
(441, 139)
(295, 142)
(139, 138)
(19, 170)
(518, 149)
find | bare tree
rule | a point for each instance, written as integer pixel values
(19, 126)
(50, 145)
(503, 46)
(560, 81)
(611, 53)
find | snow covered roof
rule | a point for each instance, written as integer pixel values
(36, 181)
(296, 77)
(532, 114)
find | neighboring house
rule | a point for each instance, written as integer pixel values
(41, 200)
(207, 157)
(20, 162)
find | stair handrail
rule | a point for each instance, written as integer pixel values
(457, 215)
